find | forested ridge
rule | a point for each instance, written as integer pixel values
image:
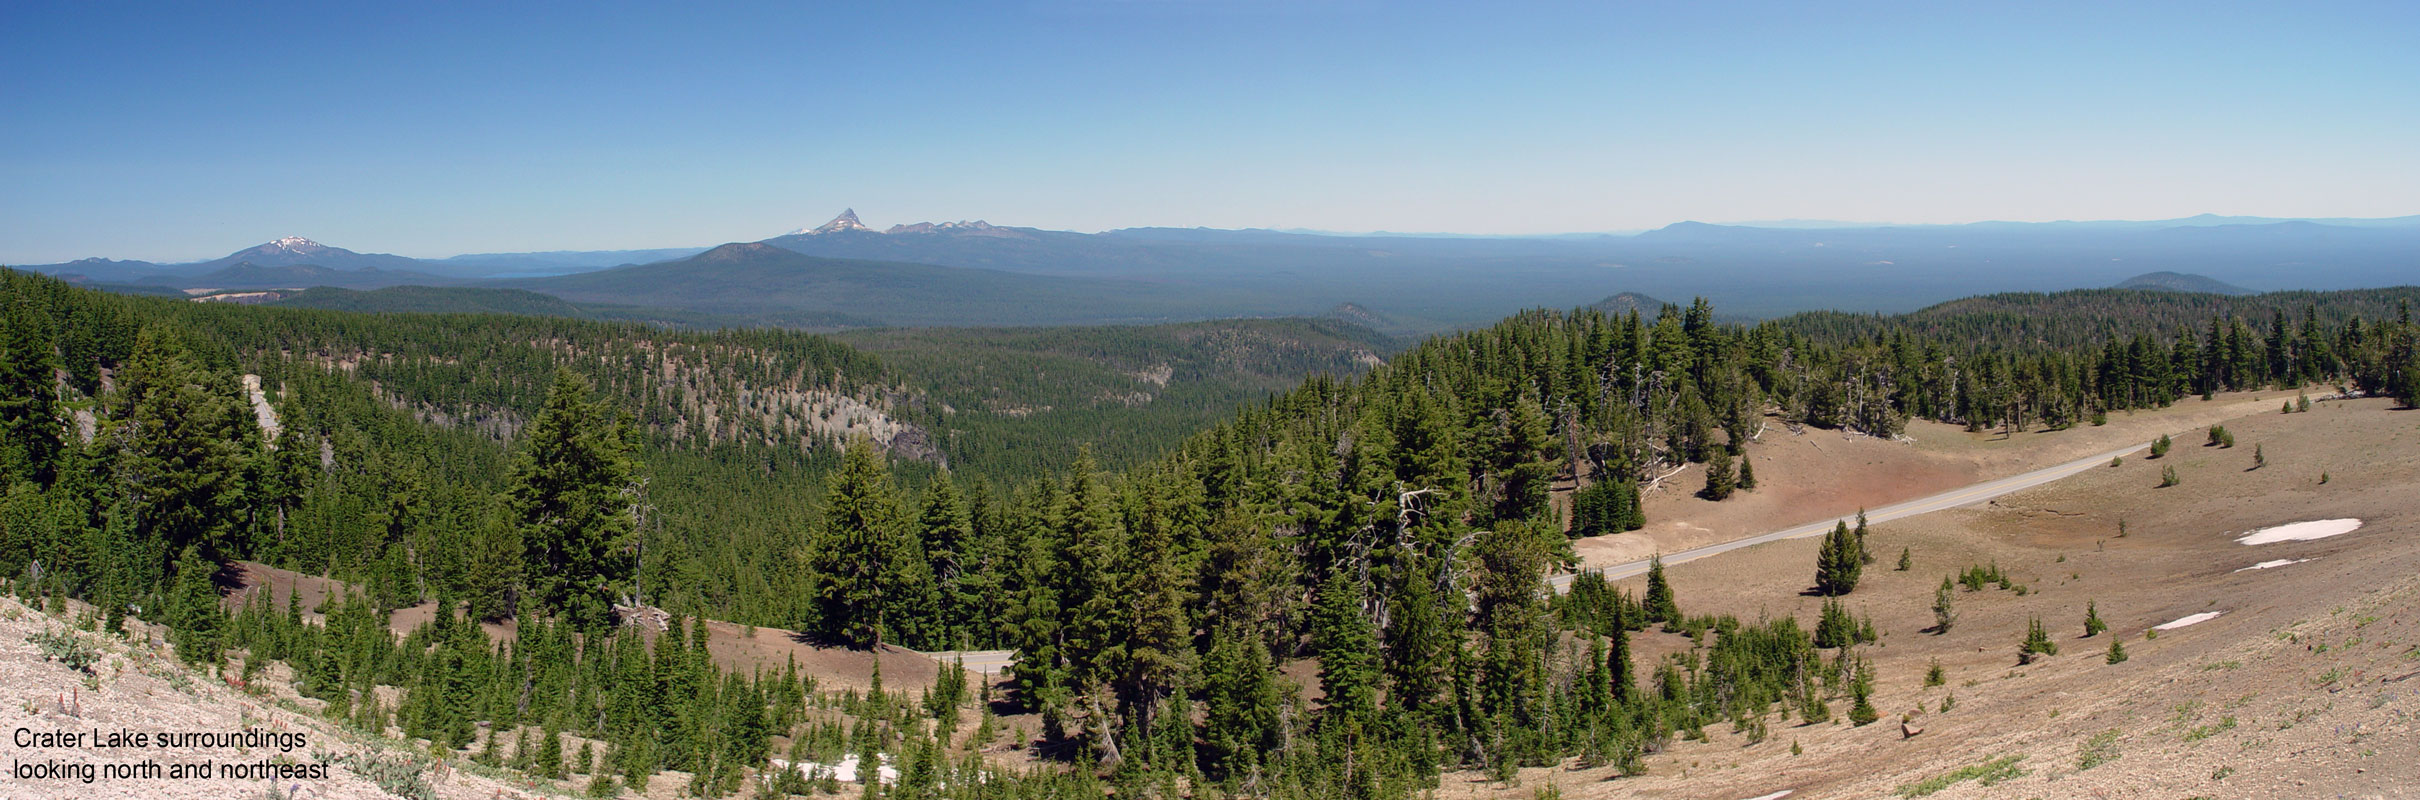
(1397, 527)
(1023, 399)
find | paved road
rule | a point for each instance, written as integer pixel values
(1950, 499)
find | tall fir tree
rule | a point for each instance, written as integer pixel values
(575, 496)
(182, 441)
(861, 598)
(1658, 601)
(948, 533)
(30, 427)
(1348, 651)
(195, 619)
(1158, 662)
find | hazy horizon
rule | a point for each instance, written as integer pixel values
(881, 223)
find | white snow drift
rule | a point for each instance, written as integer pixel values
(2301, 531)
(2190, 619)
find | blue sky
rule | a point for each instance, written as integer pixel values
(169, 132)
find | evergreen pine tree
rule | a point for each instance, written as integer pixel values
(2117, 650)
(1837, 562)
(1518, 445)
(182, 440)
(1720, 476)
(1606, 507)
(1945, 609)
(1242, 703)
(1811, 708)
(1159, 660)
(1095, 586)
(1865, 555)
(575, 496)
(2037, 642)
(1658, 601)
(2092, 619)
(196, 622)
(1618, 667)
(855, 591)
(948, 533)
(1419, 641)
(1747, 472)
(1834, 628)
(1347, 647)
(30, 427)
(1862, 713)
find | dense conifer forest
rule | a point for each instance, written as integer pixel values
(1396, 526)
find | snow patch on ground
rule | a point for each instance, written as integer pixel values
(2190, 619)
(2301, 531)
(1774, 796)
(2273, 564)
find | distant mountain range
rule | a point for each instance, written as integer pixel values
(845, 272)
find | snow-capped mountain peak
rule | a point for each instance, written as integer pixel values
(847, 221)
(296, 244)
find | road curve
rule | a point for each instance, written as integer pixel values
(1954, 498)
